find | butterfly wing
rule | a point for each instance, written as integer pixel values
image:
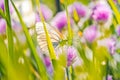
(41, 36)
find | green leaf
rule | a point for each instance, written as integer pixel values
(86, 2)
(115, 10)
(40, 65)
(9, 30)
(49, 43)
(5, 61)
(81, 52)
(118, 50)
(70, 32)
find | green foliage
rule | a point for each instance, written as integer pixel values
(15, 65)
(40, 65)
(115, 10)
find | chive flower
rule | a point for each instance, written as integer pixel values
(60, 20)
(90, 33)
(48, 64)
(80, 9)
(109, 77)
(46, 12)
(101, 13)
(71, 55)
(2, 26)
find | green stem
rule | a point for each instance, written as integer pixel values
(9, 30)
(9, 35)
(70, 35)
(50, 46)
(67, 72)
(107, 68)
(73, 74)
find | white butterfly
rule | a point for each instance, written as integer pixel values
(55, 36)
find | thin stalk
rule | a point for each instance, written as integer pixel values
(107, 68)
(9, 35)
(73, 73)
(70, 35)
(50, 46)
(9, 30)
(67, 72)
(58, 5)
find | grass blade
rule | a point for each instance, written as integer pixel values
(9, 30)
(70, 32)
(50, 46)
(41, 67)
(115, 10)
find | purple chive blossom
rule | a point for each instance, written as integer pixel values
(15, 26)
(90, 33)
(2, 4)
(46, 12)
(47, 61)
(48, 65)
(115, 1)
(109, 77)
(81, 10)
(101, 13)
(71, 55)
(37, 17)
(118, 30)
(60, 20)
(111, 43)
(2, 26)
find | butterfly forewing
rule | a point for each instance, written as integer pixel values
(41, 36)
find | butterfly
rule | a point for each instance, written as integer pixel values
(56, 37)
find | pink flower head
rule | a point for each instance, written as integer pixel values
(71, 55)
(15, 26)
(2, 26)
(2, 4)
(115, 1)
(48, 65)
(111, 44)
(90, 33)
(109, 77)
(46, 12)
(81, 9)
(60, 20)
(101, 13)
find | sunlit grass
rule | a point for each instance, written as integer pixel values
(94, 60)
